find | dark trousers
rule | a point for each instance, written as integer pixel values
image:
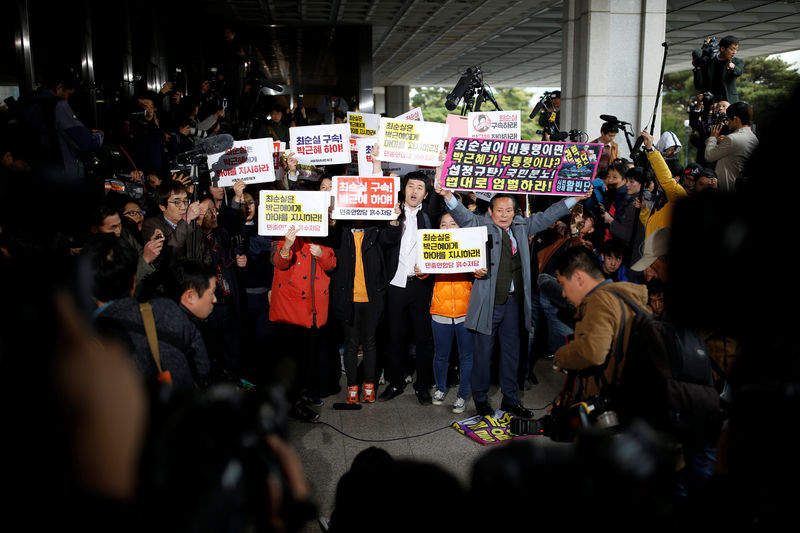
(361, 330)
(409, 306)
(505, 328)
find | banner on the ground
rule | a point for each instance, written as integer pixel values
(365, 197)
(250, 160)
(307, 211)
(414, 114)
(411, 142)
(328, 144)
(527, 167)
(488, 429)
(363, 124)
(449, 251)
(494, 125)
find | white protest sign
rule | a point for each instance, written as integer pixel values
(414, 114)
(449, 251)
(307, 211)
(365, 146)
(249, 160)
(494, 125)
(363, 124)
(365, 197)
(411, 142)
(321, 145)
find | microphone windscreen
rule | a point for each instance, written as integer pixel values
(217, 143)
(559, 136)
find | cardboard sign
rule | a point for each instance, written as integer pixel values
(414, 114)
(411, 142)
(457, 126)
(526, 167)
(494, 125)
(448, 251)
(363, 124)
(365, 197)
(321, 145)
(250, 160)
(307, 211)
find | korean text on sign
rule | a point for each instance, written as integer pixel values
(526, 167)
(365, 197)
(307, 211)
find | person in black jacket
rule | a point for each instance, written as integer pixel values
(358, 295)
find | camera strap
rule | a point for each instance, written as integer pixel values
(152, 340)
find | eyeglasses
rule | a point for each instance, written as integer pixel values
(133, 213)
(178, 203)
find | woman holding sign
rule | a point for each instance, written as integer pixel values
(448, 313)
(299, 305)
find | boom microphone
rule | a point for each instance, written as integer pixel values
(216, 143)
(559, 136)
(538, 107)
(614, 120)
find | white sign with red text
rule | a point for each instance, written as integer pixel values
(494, 125)
(321, 145)
(414, 114)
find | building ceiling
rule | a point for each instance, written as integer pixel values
(517, 42)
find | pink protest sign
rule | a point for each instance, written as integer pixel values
(526, 167)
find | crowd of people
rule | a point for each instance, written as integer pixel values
(178, 280)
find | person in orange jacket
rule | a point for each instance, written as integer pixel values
(448, 312)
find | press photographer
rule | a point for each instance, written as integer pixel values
(716, 68)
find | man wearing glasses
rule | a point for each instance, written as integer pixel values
(176, 221)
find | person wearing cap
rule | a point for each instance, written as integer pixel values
(689, 176)
(661, 213)
(654, 254)
(732, 151)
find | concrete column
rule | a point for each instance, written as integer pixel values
(612, 56)
(397, 100)
(366, 102)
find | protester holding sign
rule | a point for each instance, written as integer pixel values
(358, 294)
(299, 307)
(448, 314)
(498, 300)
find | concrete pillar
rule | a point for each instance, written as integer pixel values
(612, 55)
(366, 102)
(397, 100)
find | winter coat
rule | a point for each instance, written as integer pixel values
(376, 240)
(481, 300)
(300, 285)
(451, 295)
(596, 331)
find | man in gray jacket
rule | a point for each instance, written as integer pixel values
(498, 298)
(732, 151)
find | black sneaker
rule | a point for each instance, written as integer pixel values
(424, 396)
(300, 411)
(484, 409)
(517, 410)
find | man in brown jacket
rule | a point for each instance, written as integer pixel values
(598, 319)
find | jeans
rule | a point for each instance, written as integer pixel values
(443, 340)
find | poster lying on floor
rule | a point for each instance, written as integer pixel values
(488, 429)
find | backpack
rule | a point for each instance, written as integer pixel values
(666, 379)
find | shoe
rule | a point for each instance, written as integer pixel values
(300, 411)
(368, 395)
(390, 393)
(424, 397)
(352, 394)
(324, 523)
(409, 379)
(517, 410)
(460, 405)
(484, 409)
(438, 397)
(310, 398)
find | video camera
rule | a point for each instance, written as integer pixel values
(707, 52)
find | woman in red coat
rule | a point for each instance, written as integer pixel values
(299, 307)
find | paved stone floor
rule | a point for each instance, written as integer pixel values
(402, 427)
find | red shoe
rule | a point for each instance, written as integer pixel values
(369, 393)
(352, 394)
